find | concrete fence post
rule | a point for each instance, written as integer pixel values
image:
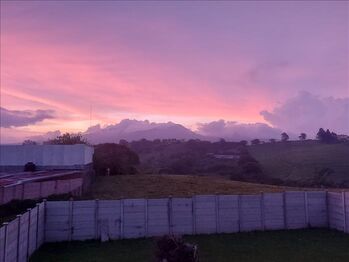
(344, 212)
(217, 213)
(18, 234)
(262, 210)
(96, 218)
(284, 206)
(121, 218)
(28, 235)
(5, 241)
(145, 217)
(239, 213)
(193, 212)
(306, 209)
(327, 210)
(70, 219)
(169, 215)
(45, 219)
(37, 224)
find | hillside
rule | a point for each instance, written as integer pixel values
(308, 162)
(154, 186)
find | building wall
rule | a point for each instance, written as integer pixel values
(57, 156)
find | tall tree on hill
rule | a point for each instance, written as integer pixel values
(302, 136)
(284, 136)
(29, 142)
(67, 139)
(326, 136)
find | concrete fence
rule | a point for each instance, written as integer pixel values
(36, 190)
(23, 235)
(338, 214)
(53, 221)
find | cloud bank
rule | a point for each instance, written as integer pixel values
(307, 113)
(238, 131)
(17, 118)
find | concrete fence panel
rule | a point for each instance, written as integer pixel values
(23, 237)
(205, 214)
(335, 212)
(109, 219)
(158, 217)
(58, 221)
(8, 194)
(250, 212)
(31, 190)
(134, 218)
(346, 202)
(273, 211)
(317, 209)
(295, 210)
(182, 216)
(11, 241)
(228, 214)
(19, 191)
(33, 228)
(47, 188)
(41, 224)
(84, 225)
(2, 242)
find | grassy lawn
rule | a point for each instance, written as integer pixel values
(296, 245)
(296, 161)
(155, 186)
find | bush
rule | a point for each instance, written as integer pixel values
(174, 249)
(10, 210)
(29, 167)
(119, 159)
(251, 168)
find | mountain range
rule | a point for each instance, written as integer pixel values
(132, 130)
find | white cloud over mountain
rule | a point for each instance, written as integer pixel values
(307, 113)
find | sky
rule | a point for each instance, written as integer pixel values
(68, 65)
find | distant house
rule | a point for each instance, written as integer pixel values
(227, 154)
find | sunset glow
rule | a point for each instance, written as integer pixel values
(187, 62)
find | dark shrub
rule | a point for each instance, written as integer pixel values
(174, 249)
(30, 167)
(119, 159)
(251, 168)
(10, 210)
(245, 158)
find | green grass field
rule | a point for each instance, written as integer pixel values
(303, 161)
(296, 245)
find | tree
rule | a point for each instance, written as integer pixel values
(29, 142)
(255, 141)
(284, 137)
(272, 140)
(67, 139)
(114, 159)
(302, 136)
(326, 136)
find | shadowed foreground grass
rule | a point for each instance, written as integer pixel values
(297, 245)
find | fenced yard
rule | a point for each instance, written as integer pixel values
(55, 221)
(292, 245)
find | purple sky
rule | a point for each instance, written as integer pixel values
(280, 63)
